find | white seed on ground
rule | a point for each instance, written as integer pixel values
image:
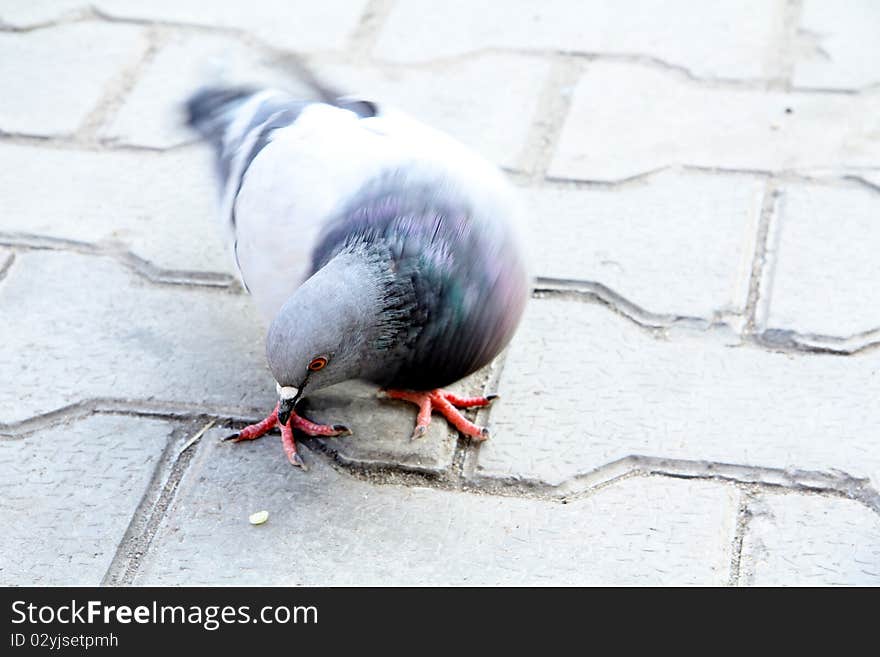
(258, 518)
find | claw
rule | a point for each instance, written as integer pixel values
(342, 430)
(418, 432)
(296, 459)
(492, 397)
(234, 437)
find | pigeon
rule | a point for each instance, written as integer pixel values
(374, 246)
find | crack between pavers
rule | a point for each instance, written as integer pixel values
(117, 89)
(788, 43)
(597, 292)
(583, 484)
(743, 517)
(370, 469)
(723, 321)
(640, 59)
(168, 410)
(834, 482)
(370, 28)
(843, 176)
(466, 447)
(365, 35)
(864, 182)
(154, 507)
(76, 15)
(368, 32)
(682, 72)
(240, 34)
(760, 277)
(69, 142)
(134, 263)
(548, 120)
(837, 483)
(793, 341)
(6, 265)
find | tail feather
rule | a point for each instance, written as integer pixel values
(233, 120)
(210, 110)
(239, 120)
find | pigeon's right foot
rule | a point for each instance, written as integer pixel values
(254, 431)
(447, 404)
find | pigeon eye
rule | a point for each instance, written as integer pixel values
(317, 364)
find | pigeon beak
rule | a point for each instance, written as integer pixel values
(287, 398)
(285, 408)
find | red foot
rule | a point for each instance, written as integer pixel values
(445, 403)
(263, 427)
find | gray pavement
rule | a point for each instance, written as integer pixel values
(692, 395)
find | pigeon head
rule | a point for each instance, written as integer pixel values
(326, 332)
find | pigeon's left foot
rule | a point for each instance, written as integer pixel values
(254, 431)
(447, 404)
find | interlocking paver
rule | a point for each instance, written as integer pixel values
(162, 208)
(67, 495)
(628, 119)
(152, 114)
(99, 330)
(288, 24)
(51, 79)
(329, 528)
(810, 540)
(700, 38)
(844, 48)
(679, 244)
(595, 388)
(822, 279)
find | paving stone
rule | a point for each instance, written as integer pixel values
(67, 495)
(461, 98)
(295, 25)
(161, 207)
(382, 427)
(844, 49)
(327, 528)
(38, 12)
(103, 332)
(595, 388)
(810, 540)
(67, 67)
(824, 261)
(676, 243)
(152, 114)
(610, 134)
(700, 38)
